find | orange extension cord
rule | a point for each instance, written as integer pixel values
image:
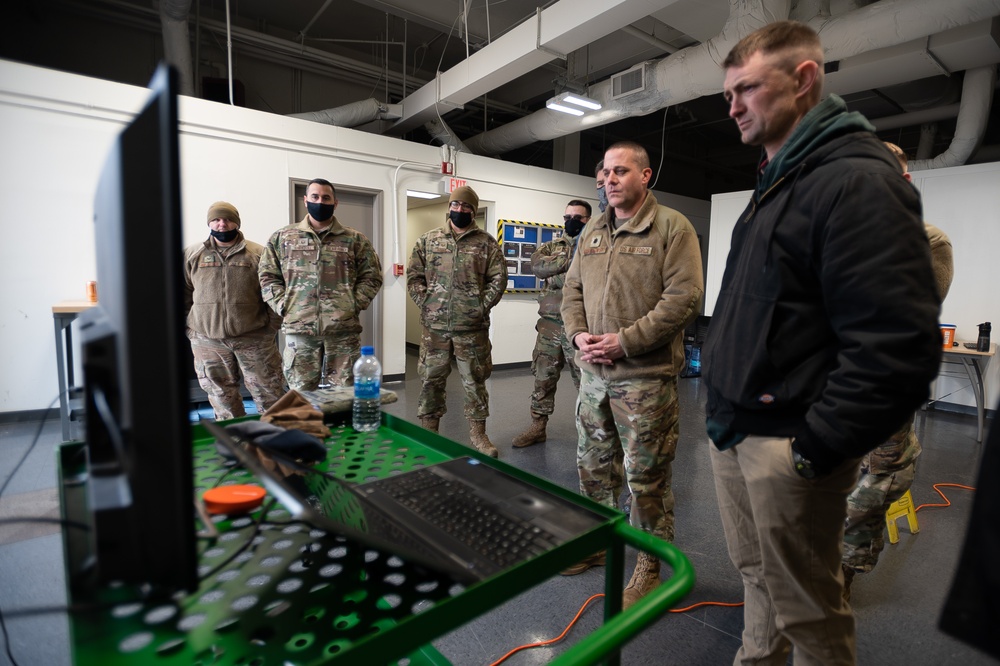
(937, 488)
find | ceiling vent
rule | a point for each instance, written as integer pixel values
(629, 82)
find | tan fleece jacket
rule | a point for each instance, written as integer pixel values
(941, 258)
(222, 296)
(644, 282)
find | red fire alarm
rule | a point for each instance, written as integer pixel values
(397, 269)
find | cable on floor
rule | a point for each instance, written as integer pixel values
(937, 488)
(736, 604)
(580, 613)
(551, 640)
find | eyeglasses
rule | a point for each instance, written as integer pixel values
(461, 205)
(577, 218)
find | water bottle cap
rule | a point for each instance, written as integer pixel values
(367, 351)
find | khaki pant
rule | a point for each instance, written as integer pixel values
(784, 535)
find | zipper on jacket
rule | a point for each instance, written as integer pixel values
(743, 259)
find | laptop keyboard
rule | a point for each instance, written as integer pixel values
(456, 509)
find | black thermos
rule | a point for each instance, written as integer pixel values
(983, 344)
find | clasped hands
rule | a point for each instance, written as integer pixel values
(599, 349)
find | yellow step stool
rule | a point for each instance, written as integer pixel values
(901, 507)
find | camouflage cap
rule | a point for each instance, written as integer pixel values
(465, 194)
(225, 210)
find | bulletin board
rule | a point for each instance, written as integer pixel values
(518, 241)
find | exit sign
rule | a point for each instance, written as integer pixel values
(455, 184)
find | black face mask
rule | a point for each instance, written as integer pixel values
(460, 219)
(573, 226)
(225, 236)
(320, 212)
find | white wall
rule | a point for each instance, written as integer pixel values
(964, 202)
(418, 222)
(56, 129)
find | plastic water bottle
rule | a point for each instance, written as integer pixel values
(695, 360)
(367, 390)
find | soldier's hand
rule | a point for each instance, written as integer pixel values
(582, 340)
(601, 349)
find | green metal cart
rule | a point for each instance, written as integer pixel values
(283, 593)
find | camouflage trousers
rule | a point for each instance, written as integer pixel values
(472, 352)
(310, 358)
(631, 426)
(886, 474)
(552, 352)
(221, 365)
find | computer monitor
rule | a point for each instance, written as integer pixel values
(138, 431)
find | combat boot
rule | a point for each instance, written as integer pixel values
(848, 579)
(535, 434)
(645, 579)
(477, 433)
(430, 422)
(595, 560)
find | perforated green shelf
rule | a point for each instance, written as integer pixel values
(298, 596)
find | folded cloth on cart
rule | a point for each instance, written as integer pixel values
(293, 411)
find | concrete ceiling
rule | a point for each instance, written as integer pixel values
(492, 74)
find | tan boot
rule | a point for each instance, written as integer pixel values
(848, 579)
(477, 433)
(430, 423)
(535, 434)
(595, 560)
(645, 579)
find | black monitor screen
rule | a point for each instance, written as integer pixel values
(138, 432)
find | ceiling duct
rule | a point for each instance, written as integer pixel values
(353, 114)
(177, 40)
(695, 71)
(973, 114)
(439, 130)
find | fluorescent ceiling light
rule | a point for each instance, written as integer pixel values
(564, 109)
(421, 195)
(580, 100)
(569, 102)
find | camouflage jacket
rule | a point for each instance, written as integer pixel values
(319, 283)
(550, 262)
(456, 280)
(221, 293)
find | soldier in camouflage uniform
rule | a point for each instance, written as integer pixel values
(552, 350)
(456, 275)
(319, 275)
(888, 471)
(634, 284)
(232, 332)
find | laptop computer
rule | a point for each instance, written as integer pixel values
(459, 517)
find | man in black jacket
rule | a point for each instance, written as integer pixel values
(823, 341)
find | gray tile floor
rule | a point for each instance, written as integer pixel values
(896, 606)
